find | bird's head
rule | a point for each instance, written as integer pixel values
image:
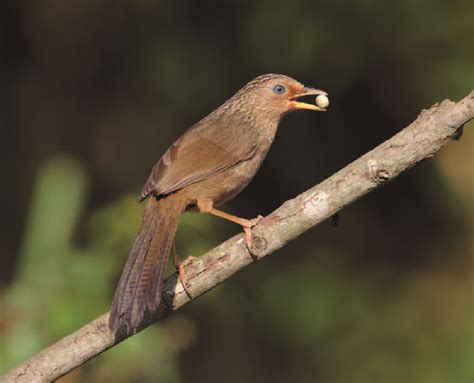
(274, 95)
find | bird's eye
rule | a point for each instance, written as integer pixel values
(279, 89)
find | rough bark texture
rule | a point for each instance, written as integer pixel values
(433, 129)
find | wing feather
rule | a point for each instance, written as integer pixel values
(207, 148)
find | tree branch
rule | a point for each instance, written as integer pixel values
(433, 129)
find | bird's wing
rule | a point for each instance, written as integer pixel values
(211, 146)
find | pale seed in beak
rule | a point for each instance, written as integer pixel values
(322, 101)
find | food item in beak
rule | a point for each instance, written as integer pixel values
(322, 101)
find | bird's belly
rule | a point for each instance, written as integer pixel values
(224, 186)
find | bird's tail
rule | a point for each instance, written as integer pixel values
(140, 284)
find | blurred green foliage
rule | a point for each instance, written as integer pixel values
(387, 297)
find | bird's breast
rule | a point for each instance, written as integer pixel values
(223, 186)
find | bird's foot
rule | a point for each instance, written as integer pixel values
(179, 265)
(255, 221)
(182, 272)
(248, 230)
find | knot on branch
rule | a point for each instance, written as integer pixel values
(259, 247)
(377, 172)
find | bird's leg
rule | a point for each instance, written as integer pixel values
(206, 206)
(178, 264)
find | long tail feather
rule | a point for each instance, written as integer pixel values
(140, 284)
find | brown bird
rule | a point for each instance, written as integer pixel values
(208, 165)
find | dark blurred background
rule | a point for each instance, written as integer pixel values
(93, 92)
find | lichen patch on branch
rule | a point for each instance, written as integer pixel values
(316, 205)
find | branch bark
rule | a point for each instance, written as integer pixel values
(433, 129)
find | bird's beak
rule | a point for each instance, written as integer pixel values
(295, 104)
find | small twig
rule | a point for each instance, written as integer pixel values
(433, 129)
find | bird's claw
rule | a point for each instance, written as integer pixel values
(248, 230)
(255, 221)
(182, 272)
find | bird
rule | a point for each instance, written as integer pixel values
(208, 165)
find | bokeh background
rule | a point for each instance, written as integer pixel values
(93, 92)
